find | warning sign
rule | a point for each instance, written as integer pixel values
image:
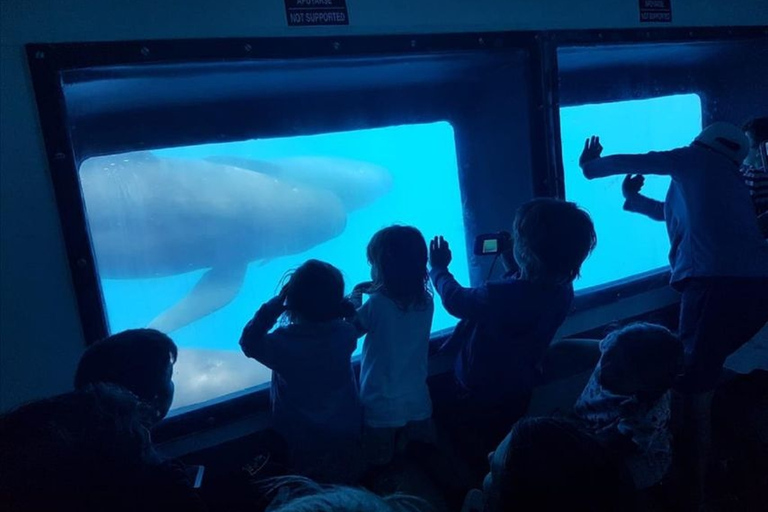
(655, 11)
(316, 12)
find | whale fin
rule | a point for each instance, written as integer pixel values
(217, 288)
(262, 166)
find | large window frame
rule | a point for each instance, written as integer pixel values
(48, 61)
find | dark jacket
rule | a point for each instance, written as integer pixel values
(507, 328)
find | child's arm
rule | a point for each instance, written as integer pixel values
(255, 341)
(464, 303)
(356, 297)
(364, 317)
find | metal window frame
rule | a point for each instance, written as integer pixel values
(48, 61)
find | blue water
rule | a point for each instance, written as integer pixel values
(422, 162)
(627, 243)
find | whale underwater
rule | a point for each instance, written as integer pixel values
(153, 216)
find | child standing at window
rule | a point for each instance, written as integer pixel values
(627, 400)
(510, 323)
(397, 320)
(315, 404)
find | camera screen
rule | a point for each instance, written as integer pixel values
(490, 246)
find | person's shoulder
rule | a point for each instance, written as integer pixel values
(378, 297)
(680, 155)
(379, 301)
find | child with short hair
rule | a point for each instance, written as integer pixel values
(513, 321)
(315, 404)
(627, 400)
(396, 320)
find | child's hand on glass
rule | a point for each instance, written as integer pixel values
(439, 253)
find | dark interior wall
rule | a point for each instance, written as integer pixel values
(494, 144)
(621, 83)
(729, 76)
(739, 87)
(224, 121)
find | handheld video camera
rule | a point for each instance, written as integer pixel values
(493, 244)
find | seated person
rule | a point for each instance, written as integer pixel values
(549, 464)
(88, 450)
(139, 360)
(315, 402)
(510, 323)
(626, 402)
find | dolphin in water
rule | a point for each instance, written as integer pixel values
(355, 183)
(154, 217)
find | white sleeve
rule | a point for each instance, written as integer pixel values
(365, 316)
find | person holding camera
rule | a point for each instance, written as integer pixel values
(508, 324)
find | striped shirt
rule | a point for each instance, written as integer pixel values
(757, 182)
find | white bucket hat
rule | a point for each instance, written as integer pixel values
(726, 139)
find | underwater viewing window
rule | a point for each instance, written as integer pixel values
(192, 240)
(459, 129)
(628, 244)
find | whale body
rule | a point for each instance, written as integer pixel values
(355, 183)
(154, 217)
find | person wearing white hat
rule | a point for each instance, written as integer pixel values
(718, 257)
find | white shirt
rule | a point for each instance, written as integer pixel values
(394, 367)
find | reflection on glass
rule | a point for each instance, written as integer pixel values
(627, 243)
(193, 240)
